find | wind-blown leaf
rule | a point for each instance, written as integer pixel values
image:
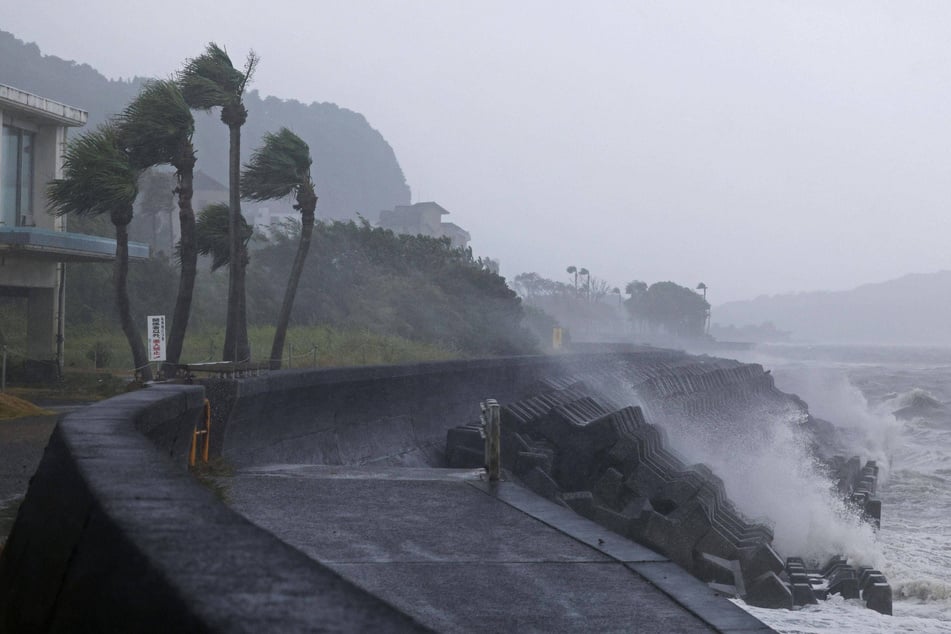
(97, 177)
(212, 230)
(157, 125)
(278, 168)
(211, 80)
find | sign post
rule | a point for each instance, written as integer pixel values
(156, 337)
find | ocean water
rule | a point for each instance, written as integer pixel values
(858, 389)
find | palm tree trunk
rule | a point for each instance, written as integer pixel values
(120, 275)
(236, 328)
(280, 333)
(189, 257)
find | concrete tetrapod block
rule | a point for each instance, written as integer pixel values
(721, 571)
(758, 560)
(769, 591)
(878, 597)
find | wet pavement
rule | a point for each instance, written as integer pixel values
(460, 555)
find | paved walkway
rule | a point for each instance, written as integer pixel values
(461, 556)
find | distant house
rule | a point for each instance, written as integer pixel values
(35, 247)
(424, 219)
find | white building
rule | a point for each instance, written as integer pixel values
(34, 245)
(424, 219)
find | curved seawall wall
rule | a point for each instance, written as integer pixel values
(114, 533)
(115, 536)
(389, 414)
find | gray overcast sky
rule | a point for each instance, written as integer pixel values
(758, 146)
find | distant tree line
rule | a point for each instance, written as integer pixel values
(587, 303)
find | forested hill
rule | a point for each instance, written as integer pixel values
(355, 168)
(913, 309)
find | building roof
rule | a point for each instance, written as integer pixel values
(205, 182)
(40, 107)
(62, 246)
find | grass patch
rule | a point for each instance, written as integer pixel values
(213, 475)
(306, 347)
(14, 407)
(75, 387)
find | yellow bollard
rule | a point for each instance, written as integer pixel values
(207, 432)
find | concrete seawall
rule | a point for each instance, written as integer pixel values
(392, 414)
(116, 535)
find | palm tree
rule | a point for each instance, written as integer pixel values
(98, 178)
(157, 128)
(573, 269)
(279, 168)
(209, 81)
(212, 234)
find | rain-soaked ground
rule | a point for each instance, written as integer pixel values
(458, 555)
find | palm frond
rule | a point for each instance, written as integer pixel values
(97, 176)
(211, 79)
(212, 233)
(157, 125)
(277, 168)
(250, 65)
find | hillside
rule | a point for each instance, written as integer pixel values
(913, 309)
(355, 168)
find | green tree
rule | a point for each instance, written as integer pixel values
(279, 168)
(676, 309)
(212, 233)
(157, 129)
(99, 179)
(209, 81)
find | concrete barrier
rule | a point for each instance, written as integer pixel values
(389, 414)
(115, 537)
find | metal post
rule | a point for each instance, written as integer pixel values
(3, 374)
(492, 431)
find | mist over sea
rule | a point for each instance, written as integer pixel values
(858, 389)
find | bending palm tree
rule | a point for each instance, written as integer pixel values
(208, 81)
(212, 234)
(277, 169)
(157, 129)
(99, 179)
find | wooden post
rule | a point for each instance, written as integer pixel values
(492, 431)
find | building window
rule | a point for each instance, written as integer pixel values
(16, 176)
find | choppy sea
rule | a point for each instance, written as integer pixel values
(859, 389)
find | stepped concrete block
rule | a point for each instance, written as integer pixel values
(878, 597)
(711, 568)
(612, 520)
(581, 502)
(465, 458)
(845, 584)
(803, 594)
(873, 512)
(528, 460)
(542, 484)
(662, 534)
(769, 591)
(678, 491)
(725, 589)
(608, 488)
(715, 543)
(758, 560)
